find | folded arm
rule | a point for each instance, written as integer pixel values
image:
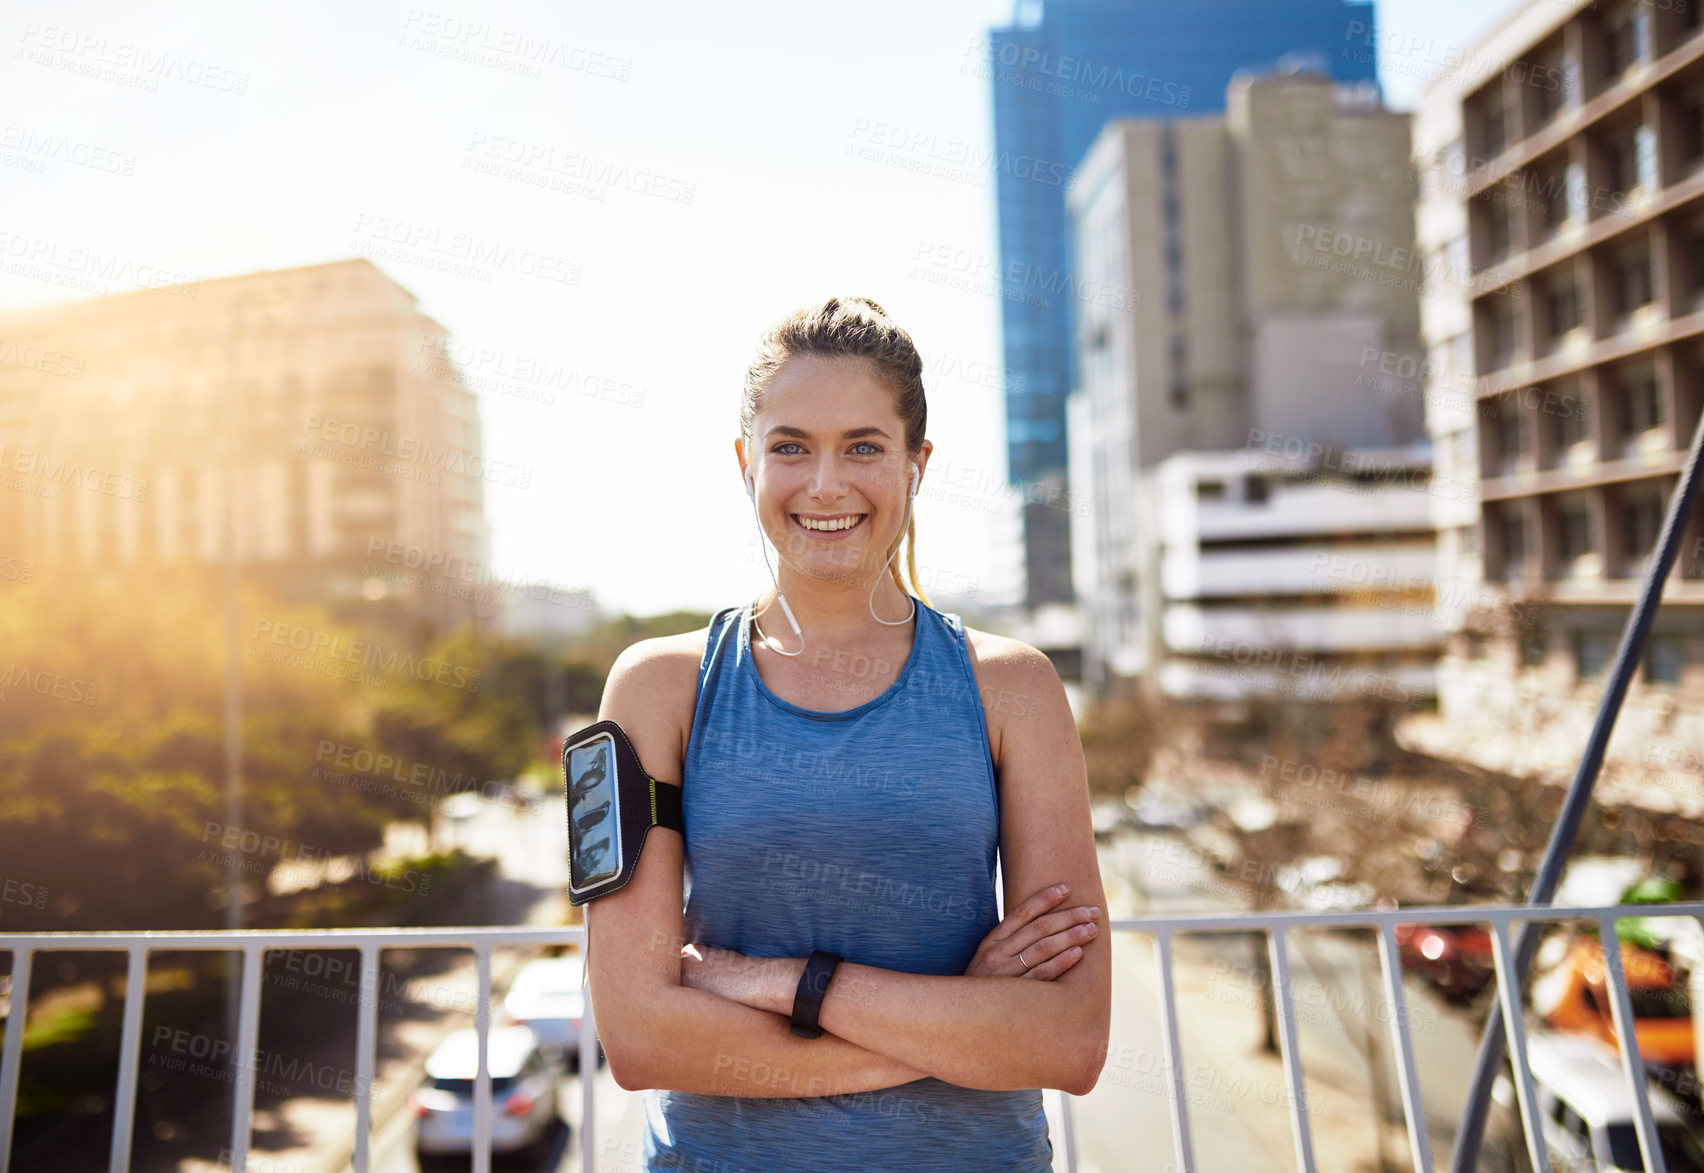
(996, 1033)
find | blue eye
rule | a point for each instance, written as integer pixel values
(869, 444)
(785, 444)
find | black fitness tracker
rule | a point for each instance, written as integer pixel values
(612, 805)
(813, 984)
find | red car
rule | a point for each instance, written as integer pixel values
(1454, 958)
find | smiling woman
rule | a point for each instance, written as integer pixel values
(840, 990)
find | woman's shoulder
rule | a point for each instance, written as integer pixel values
(652, 692)
(1004, 660)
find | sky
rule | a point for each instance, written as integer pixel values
(295, 135)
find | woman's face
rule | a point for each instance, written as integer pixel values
(829, 461)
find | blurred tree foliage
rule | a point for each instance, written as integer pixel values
(112, 756)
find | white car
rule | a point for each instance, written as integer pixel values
(547, 995)
(523, 1092)
(1587, 1113)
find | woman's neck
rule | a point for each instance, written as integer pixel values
(835, 611)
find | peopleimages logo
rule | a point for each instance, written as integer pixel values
(1068, 70)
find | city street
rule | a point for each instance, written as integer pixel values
(1238, 1101)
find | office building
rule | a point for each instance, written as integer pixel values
(1563, 193)
(1278, 326)
(1060, 72)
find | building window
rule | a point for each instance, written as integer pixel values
(1511, 435)
(1633, 279)
(1664, 658)
(1550, 98)
(1533, 650)
(1553, 201)
(1209, 490)
(1591, 653)
(1622, 162)
(1255, 490)
(1622, 46)
(1563, 306)
(1645, 148)
(1571, 425)
(1514, 544)
(1502, 322)
(1497, 233)
(1179, 373)
(1492, 123)
(1692, 131)
(1576, 532)
(1641, 519)
(1641, 405)
(1171, 205)
(1578, 201)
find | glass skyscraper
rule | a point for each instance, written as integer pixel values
(1059, 74)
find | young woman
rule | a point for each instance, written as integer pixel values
(851, 760)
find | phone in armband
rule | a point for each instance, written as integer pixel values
(612, 806)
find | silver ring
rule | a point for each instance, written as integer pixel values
(1021, 958)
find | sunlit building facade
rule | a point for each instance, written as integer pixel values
(359, 467)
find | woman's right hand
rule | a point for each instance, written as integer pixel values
(1049, 942)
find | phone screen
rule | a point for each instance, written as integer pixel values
(594, 814)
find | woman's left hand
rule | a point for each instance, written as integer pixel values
(758, 982)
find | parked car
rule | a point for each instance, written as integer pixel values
(548, 996)
(524, 1080)
(1455, 959)
(1315, 884)
(1573, 994)
(1153, 811)
(1586, 1112)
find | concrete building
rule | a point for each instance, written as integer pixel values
(1264, 574)
(359, 465)
(1058, 72)
(1563, 191)
(1273, 251)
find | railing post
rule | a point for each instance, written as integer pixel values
(482, 1082)
(1173, 1042)
(129, 1057)
(11, 1058)
(244, 1057)
(1292, 1055)
(1408, 1076)
(1633, 1065)
(1509, 997)
(366, 1048)
(1068, 1126)
(588, 1073)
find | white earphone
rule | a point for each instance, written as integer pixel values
(751, 491)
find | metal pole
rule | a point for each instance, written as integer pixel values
(1573, 812)
(233, 683)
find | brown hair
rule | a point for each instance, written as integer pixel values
(854, 327)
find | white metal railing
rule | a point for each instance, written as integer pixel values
(369, 942)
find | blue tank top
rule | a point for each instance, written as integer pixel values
(871, 833)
